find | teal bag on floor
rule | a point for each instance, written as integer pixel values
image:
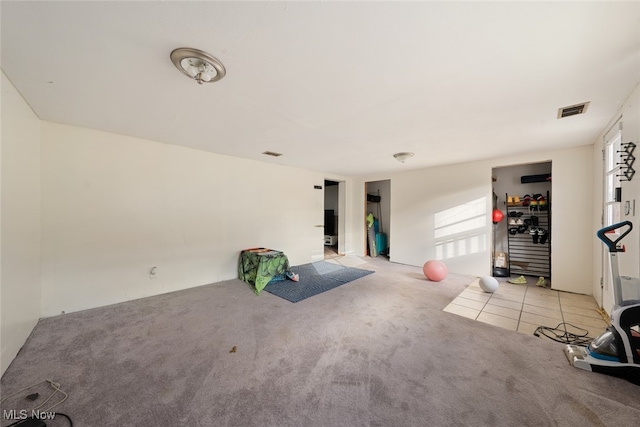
(381, 243)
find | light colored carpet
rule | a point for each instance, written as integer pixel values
(378, 351)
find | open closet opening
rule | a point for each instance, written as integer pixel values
(522, 237)
(377, 218)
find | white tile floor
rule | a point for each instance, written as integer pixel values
(523, 308)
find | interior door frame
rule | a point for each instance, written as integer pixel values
(342, 213)
(613, 133)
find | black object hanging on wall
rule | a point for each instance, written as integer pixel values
(530, 179)
(373, 198)
(627, 157)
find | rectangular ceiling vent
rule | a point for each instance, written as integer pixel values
(573, 110)
(272, 154)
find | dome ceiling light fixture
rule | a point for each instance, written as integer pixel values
(198, 65)
(402, 157)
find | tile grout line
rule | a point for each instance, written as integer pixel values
(499, 315)
(460, 296)
(485, 305)
(524, 297)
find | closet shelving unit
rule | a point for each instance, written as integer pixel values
(526, 257)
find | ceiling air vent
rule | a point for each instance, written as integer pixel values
(573, 110)
(272, 154)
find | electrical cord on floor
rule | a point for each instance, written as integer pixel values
(24, 421)
(56, 389)
(67, 417)
(560, 334)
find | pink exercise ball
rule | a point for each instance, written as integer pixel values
(435, 270)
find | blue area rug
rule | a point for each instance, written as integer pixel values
(315, 278)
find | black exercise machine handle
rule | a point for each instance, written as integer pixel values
(613, 244)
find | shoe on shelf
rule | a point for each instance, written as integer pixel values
(542, 234)
(519, 281)
(541, 282)
(542, 203)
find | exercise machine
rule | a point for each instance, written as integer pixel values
(617, 350)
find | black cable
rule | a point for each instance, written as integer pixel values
(66, 416)
(57, 413)
(562, 335)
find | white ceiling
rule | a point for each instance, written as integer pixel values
(338, 87)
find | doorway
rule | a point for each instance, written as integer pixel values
(332, 215)
(522, 238)
(378, 218)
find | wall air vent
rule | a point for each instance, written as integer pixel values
(573, 110)
(272, 154)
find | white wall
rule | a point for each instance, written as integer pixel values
(115, 206)
(424, 200)
(629, 261)
(19, 222)
(443, 213)
(351, 220)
